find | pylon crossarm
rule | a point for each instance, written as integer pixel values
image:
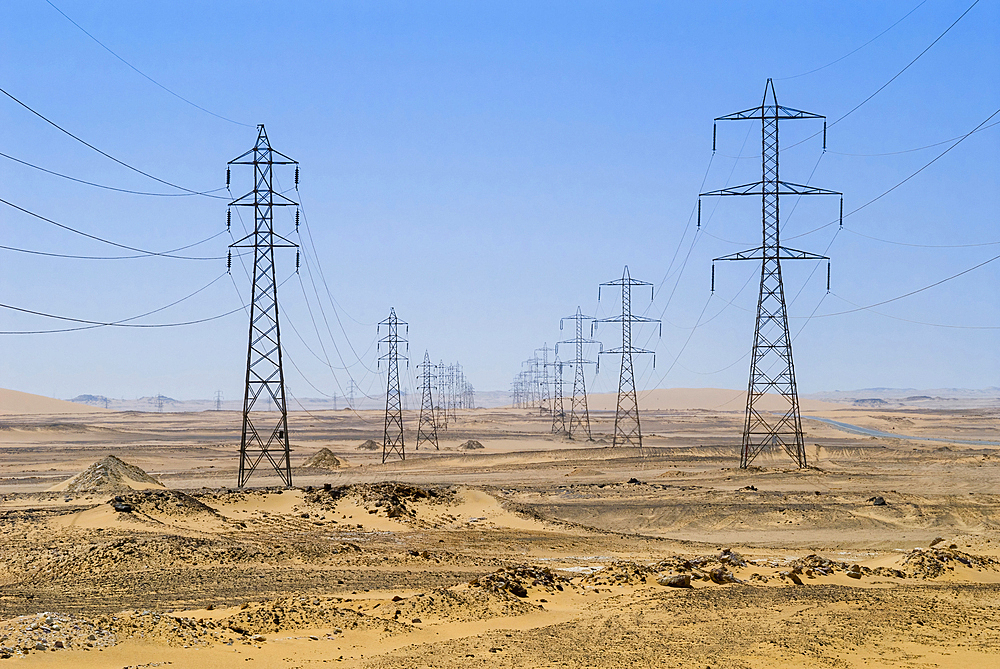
(775, 188)
(276, 200)
(762, 112)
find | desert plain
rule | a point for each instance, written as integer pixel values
(125, 542)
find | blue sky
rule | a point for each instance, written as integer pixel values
(482, 167)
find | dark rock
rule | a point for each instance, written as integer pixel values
(518, 589)
(675, 580)
(936, 541)
(121, 507)
(877, 501)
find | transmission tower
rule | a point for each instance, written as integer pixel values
(263, 437)
(771, 367)
(351, 387)
(579, 415)
(558, 412)
(427, 427)
(218, 400)
(627, 429)
(392, 437)
(542, 375)
(442, 408)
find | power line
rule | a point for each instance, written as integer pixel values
(122, 323)
(918, 148)
(796, 76)
(912, 292)
(97, 185)
(108, 155)
(907, 320)
(143, 74)
(886, 192)
(166, 254)
(82, 257)
(894, 77)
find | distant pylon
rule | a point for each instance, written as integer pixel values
(392, 437)
(579, 414)
(263, 437)
(218, 400)
(542, 366)
(558, 412)
(351, 387)
(627, 428)
(427, 427)
(771, 367)
(442, 410)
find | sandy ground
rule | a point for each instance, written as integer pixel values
(536, 551)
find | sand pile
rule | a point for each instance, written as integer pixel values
(325, 459)
(370, 445)
(471, 445)
(109, 475)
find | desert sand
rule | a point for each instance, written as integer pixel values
(534, 551)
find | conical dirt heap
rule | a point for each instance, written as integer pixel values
(370, 445)
(324, 459)
(109, 475)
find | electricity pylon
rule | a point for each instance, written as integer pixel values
(558, 411)
(542, 367)
(442, 409)
(392, 436)
(263, 437)
(427, 427)
(771, 367)
(627, 428)
(579, 414)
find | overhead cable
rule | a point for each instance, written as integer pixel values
(847, 55)
(97, 185)
(145, 252)
(108, 155)
(143, 74)
(894, 77)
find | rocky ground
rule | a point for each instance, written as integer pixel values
(529, 552)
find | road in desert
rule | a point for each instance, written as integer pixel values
(126, 544)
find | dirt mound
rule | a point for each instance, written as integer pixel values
(109, 475)
(933, 562)
(516, 580)
(471, 445)
(392, 497)
(370, 445)
(325, 459)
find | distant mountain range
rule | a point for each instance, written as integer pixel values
(885, 398)
(162, 403)
(936, 398)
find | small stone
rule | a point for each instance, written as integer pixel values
(936, 541)
(416, 620)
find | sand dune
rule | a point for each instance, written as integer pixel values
(16, 402)
(712, 399)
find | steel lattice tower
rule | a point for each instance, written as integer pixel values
(263, 436)
(627, 428)
(579, 414)
(771, 366)
(427, 427)
(392, 437)
(542, 366)
(558, 410)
